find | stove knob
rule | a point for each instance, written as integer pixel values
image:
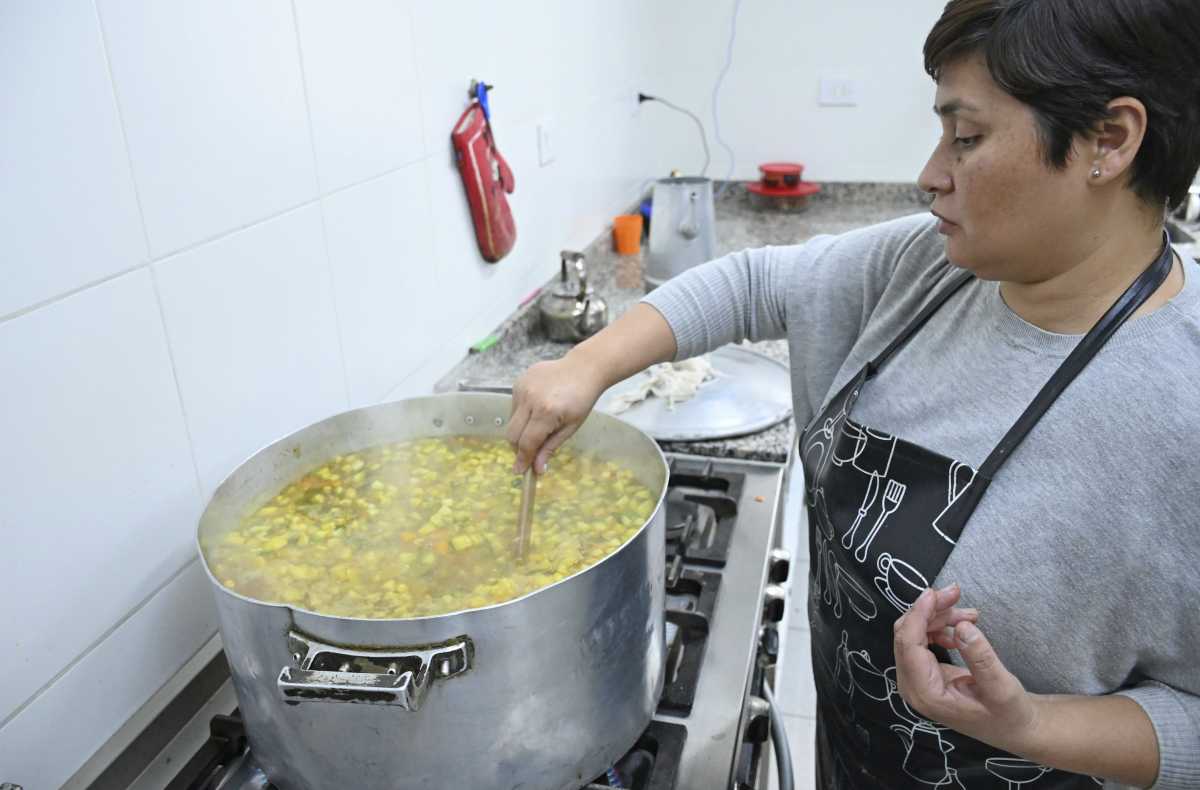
(774, 603)
(8, 786)
(780, 567)
(758, 720)
(768, 644)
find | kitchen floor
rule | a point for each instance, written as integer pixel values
(795, 693)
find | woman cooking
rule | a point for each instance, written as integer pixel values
(1000, 411)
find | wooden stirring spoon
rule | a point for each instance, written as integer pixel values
(525, 520)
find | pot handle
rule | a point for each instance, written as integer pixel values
(480, 385)
(399, 676)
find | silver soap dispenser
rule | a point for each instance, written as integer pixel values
(572, 312)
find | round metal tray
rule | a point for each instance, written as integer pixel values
(752, 392)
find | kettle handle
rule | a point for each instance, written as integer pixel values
(576, 259)
(688, 228)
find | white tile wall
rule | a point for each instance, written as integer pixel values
(68, 214)
(461, 271)
(776, 117)
(41, 747)
(385, 276)
(263, 224)
(254, 337)
(363, 91)
(213, 103)
(456, 42)
(98, 478)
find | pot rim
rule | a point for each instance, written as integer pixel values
(433, 617)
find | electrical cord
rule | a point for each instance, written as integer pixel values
(737, 5)
(783, 751)
(642, 97)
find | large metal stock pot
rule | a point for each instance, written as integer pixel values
(541, 693)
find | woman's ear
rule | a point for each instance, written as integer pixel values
(1117, 139)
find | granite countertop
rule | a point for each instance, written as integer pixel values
(838, 208)
(739, 224)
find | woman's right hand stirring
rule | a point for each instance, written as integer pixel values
(552, 399)
(550, 402)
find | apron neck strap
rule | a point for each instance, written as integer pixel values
(1134, 297)
(915, 325)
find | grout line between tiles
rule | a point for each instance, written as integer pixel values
(312, 141)
(112, 86)
(337, 313)
(412, 47)
(137, 196)
(187, 425)
(95, 644)
(68, 294)
(312, 144)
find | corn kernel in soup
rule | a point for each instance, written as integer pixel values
(426, 527)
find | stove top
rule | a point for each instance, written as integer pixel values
(224, 761)
(721, 604)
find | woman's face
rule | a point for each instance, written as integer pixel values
(1006, 214)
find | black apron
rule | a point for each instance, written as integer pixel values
(884, 514)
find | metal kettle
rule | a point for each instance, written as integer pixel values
(572, 312)
(682, 228)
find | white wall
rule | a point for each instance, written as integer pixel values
(768, 99)
(220, 221)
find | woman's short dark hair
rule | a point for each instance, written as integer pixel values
(1066, 59)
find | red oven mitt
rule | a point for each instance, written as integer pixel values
(487, 180)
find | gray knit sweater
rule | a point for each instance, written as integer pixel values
(1084, 555)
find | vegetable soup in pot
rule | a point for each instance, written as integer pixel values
(426, 527)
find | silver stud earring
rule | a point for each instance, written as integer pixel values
(1096, 173)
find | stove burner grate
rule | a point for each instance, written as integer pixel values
(701, 511)
(691, 599)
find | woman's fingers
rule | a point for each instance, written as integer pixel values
(553, 442)
(944, 638)
(549, 403)
(917, 673)
(516, 425)
(946, 597)
(952, 617)
(533, 438)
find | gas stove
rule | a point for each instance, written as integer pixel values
(723, 601)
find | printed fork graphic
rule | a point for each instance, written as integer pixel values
(892, 496)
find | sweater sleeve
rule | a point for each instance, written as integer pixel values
(819, 292)
(742, 296)
(1175, 715)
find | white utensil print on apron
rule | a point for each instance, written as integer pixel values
(961, 476)
(1014, 770)
(858, 599)
(893, 495)
(867, 503)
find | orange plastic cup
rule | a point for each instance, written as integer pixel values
(627, 234)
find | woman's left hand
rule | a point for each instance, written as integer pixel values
(984, 701)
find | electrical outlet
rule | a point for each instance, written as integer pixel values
(837, 92)
(544, 143)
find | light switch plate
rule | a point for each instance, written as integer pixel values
(837, 92)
